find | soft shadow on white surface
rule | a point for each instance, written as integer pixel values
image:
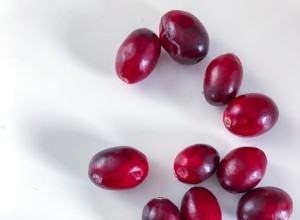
(93, 36)
(168, 77)
(68, 147)
(272, 175)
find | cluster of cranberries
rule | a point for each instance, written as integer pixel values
(184, 37)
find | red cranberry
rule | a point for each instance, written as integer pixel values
(183, 36)
(250, 115)
(137, 55)
(160, 209)
(223, 79)
(265, 203)
(118, 168)
(242, 169)
(196, 163)
(199, 203)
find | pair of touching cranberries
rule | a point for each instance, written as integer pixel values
(197, 203)
(247, 115)
(238, 172)
(186, 40)
(181, 34)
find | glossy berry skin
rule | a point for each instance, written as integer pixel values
(160, 209)
(199, 203)
(183, 36)
(196, 163)
(250, 115)
(137, 56)
(242, 169)
(118, 168)
(265, 203)
(223, 78)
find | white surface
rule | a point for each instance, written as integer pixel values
(61, 102)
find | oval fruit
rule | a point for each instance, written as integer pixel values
(183, 36)
(250, 115)
(137, 56)
(160, 209)
(223, 78)
(265, 203)
(199, 203)
(242, 169)
(196, 163)
(118, 168)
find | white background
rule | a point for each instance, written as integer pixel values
(61, 102)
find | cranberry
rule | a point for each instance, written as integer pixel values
(242, 169)
(265, 203)
(196, 163)
(223, 79)
(160, 209)
(137, 56)
(199, 203)
(118, 168)
(183, 36)
(250, 115)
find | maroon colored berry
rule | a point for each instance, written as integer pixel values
(160, 209)
(137, 56)
(196, 163)
(242, 169)
(118, 168)
(265, 203)
(250, 115)
(199, 203)
(223, 79)
(183, 36)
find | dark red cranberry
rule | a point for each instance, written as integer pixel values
(118, 168)
(160, 209)
(223, 79)
(242, 169)
(199, 203)
(196, 163)
(183, 36)
(137, 56)
(250, 115)
(265, 203)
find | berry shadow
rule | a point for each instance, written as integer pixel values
(273, 172)
(94, 36)
(167, 79)
(66, 145)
